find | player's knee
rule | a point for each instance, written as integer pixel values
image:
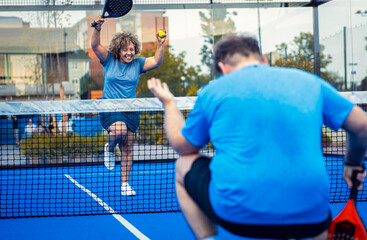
(179, 169)
(118, 128)
(183, 165)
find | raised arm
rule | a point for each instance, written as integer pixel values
(356, 127)
(98, 49)
(155, 61)
(174, 120)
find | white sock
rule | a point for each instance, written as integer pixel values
(214, 237)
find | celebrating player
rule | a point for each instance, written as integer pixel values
(121, 71)
(267, 178)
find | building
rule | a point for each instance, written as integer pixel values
(36, 62)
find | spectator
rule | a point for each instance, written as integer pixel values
(40, 128)
(69, 125)
(30, 128)
(15, 129)
(51, 126)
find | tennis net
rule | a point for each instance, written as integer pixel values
(52, 155)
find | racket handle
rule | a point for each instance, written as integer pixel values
(356, 183)
(93, 24)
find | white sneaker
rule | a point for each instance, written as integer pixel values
(109, 158)
(127, 190)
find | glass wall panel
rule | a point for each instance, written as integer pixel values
(61, 39)
(343, 32)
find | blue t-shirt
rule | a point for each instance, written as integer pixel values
(121, 78)
(265, 124)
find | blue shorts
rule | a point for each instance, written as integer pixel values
(197, 186)
(131, 119)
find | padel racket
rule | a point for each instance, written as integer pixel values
(348, 224)
(115, 9)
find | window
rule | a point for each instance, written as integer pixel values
(25, 68)
(74, 66)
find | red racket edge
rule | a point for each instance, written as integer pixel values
(348, 222)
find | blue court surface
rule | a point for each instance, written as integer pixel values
(90, 190)
(158, 226)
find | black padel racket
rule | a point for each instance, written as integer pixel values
(348, 224)
(115, 9)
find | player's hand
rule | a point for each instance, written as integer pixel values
(160, 90)
(99, 21)
(161, 40)
(347, 175)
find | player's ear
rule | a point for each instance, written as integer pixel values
(224, 69)
(264, 60)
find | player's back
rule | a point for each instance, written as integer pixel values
(265, 124)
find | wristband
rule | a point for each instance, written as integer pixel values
(354, 165)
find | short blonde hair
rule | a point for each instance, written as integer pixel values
(120, 41)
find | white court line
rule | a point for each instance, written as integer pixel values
(117, 172)
(119, 218)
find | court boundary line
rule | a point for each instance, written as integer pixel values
(117, 216)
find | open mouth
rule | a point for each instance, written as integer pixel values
(129, 58)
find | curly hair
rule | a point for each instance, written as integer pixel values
(235, 44)
(120, 41)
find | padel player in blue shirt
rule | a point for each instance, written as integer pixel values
(121, 71)
(267, 178)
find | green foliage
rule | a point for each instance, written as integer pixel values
(299, 54)
(325, 139)
(297, 61)
(363, 86)
(88, 83)
(152, 131)
(48, 146)
(174, 71)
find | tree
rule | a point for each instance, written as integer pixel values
(88, 84)
(214, 25)
(301, 56)
(174, 71)
(363, 86)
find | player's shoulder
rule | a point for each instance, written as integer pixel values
(139, 59)
(294, 71)
(210, 85)
(296, 74)
(109, 59)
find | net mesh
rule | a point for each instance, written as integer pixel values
(54, 165)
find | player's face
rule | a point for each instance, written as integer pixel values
(127, 53)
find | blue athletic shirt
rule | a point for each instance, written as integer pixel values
(265, 124)
(121, 78)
